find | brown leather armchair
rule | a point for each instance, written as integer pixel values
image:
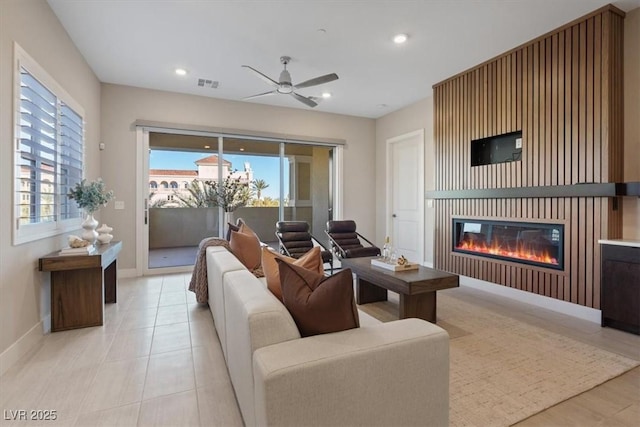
(295, 240)
(345, 240)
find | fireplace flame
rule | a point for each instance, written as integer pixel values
(524, 253)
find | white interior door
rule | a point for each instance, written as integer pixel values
(405, 195)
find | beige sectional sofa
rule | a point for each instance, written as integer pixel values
(391, 374)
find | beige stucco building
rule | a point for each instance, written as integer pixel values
(165, 184)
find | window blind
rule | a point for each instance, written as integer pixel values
(71, 156)
(50, 154)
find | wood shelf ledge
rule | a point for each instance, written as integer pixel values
(611, 189)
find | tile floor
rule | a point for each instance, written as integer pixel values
(157, 361)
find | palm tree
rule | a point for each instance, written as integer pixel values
(201, 195)
(266, 202)
(258, 186)
(156, 203)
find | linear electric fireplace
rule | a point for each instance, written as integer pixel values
(530, 243)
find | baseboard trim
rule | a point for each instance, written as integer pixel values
(126, 273)
(169, 270)
(46, 324)
(12, 354)
(564, 307)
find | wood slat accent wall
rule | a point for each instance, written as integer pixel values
(564, 92)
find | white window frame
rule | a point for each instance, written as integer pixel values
(31, 232)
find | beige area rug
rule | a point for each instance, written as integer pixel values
(504, 370)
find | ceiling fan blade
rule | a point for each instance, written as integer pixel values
(267, 79)
(271, 92)
(304, 99)
(318, 81)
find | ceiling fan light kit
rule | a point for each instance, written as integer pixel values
(285, 87)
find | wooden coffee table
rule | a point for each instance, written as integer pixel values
(417, 288)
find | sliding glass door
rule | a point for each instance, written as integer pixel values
(277, 181)
(258, 164)
(309, 186)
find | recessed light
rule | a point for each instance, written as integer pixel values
(207, 146)
(242, 149)
(382, 105)
(400, 38)
(321, 31)
(326, 95)
(181, 71)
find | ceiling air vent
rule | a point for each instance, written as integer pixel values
(213, 84)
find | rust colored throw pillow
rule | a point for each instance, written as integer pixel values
(245, 245)
(245, 229)
(312, 260)
(318, 304)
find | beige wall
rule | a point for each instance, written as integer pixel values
(122, 106)
(631, 205)
(24, 292)
(414, 117)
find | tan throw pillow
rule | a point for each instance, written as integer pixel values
(245, 229)
(318, 304)
(245, 245)
(312, 260)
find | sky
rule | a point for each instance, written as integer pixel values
(264, 167)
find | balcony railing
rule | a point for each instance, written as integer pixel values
(180, 227)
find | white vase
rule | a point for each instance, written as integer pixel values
(105, 238)
(89, 232)
(229, 218)
(104, 235)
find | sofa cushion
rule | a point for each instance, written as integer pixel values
(245, 245)
(312, 260)
(393, 374)
(318, 304)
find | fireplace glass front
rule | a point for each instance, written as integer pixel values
(537, 244)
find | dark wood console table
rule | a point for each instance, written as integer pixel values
(81, 285)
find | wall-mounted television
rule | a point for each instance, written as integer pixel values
(497, 149)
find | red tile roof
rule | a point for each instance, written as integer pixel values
(212, 160)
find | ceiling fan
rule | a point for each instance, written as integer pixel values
(285, 87)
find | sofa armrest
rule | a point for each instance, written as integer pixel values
(395, 373)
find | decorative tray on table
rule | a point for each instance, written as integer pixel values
(379, 262)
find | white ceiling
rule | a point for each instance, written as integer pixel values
(141, 42)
